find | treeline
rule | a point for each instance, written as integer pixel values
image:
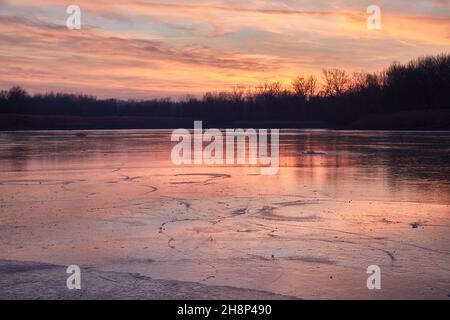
(337, 99)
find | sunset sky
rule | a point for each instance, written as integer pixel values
(143, 49)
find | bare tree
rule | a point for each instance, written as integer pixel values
(305, 87)
(336, 81)
(3, 95)
(237, 93)
(273, 89)
(357, 81)
(17, 93)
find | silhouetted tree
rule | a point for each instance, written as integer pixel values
(336, 81)
(423, 83)
(305, 88)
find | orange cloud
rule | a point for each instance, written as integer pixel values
(140, 49)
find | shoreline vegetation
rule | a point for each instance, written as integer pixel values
(411, 96)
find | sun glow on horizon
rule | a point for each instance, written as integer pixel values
(143, 49)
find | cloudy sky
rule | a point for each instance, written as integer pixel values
(142, 49)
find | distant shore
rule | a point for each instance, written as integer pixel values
(408, 120)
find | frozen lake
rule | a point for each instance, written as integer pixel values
(113, 200)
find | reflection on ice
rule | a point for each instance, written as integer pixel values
(113, 200)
